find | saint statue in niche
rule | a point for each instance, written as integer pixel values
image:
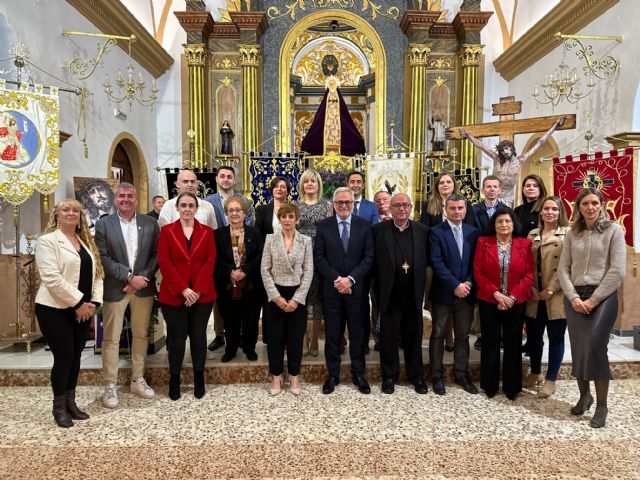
(438, 127)
(226, 139)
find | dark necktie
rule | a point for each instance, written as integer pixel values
(355, 207)
(344, 236)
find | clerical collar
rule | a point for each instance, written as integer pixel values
(402, 229)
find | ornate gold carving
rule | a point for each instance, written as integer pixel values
(196, 54)
(439, 81)
(358, 38)
(567, 17)
(226, 63)
(470, 55)
(332, 161)
(441, 63)
(249, 55)
(418, 54)
(291, 11)
(349, 70)
(226, 81)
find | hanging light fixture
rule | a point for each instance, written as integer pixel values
(130, 89)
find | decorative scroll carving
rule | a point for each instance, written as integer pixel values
(196, 54)
(470, 55)
(250, 55)
(418, 54)
(226, 63)
(292, 9)
(441, 63)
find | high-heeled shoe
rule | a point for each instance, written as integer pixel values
(275, 389)
(599, 418)
(547, 389)
(584, 404)
(198, 384)
(174, 386)
(294, 387)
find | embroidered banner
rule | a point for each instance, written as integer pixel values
(468, 181)
(206, 181)
(612, 175)
(263, 166)
(390, 172)
(29, 142)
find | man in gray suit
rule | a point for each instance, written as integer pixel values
(128, 245)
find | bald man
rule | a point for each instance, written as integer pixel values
(187, 182)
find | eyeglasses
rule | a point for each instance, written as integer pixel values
(401, 205)
(343, 203)
(234, 210)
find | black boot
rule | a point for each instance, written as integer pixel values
(60, 414)
(174, 386)
(198, 384)
(72, 408)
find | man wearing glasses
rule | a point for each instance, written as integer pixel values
(401, 256)
(343, 254)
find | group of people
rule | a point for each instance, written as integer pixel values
(361, 266)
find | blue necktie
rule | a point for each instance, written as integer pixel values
(344, 236)
(457, 234)
(355, 208)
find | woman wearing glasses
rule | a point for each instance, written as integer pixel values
(186, 255)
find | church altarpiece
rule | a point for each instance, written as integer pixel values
(398, 64)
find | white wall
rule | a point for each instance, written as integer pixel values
(40, 23)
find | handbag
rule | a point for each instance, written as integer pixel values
(585, 291)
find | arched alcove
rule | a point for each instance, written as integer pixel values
(133, 151)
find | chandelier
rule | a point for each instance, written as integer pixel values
(130, 89)
(564, 84)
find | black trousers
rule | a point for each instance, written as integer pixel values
(493, 322)
(286, 329)
(402, 321)
(66, 338)
(349, 311)
(186, 321)
(240, 316)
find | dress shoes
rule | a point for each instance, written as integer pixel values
(388, 386)
(420, 387)
(512, 396)
(490, 393)
(466, 385)
(330, 384)
(599, 419)
(583, 405)
(360, 382)
(216, 343)
(252, 356)
(226, 357)
(438, 386)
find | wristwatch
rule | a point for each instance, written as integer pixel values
(129, 277)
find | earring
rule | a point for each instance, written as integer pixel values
(78, 226)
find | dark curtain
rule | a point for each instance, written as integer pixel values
(206, 179)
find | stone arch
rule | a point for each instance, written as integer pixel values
(286, 55)
(138, 163)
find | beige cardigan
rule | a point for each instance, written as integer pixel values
(59, 267)
(550, 251)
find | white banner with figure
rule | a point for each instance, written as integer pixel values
(390, 172)
(29, 142)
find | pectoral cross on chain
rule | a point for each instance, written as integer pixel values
(405, 266)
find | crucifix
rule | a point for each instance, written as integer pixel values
(506, 163)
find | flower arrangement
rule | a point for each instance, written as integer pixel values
(331, 181)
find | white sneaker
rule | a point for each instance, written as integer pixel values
(110, 396)
(140, 388)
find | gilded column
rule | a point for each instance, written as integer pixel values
(470, 60)
(196, 59)
(418, 55)
(251, 118)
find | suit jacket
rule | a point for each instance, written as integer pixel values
(332, 261)
(486, 269)
(59, 267)
(186, 268)
(527, 217)
(385, 264)
(368, 211)
(225, 262)
(288, 270)
(264, 219)
(449, 269)
(433, 220)
(482, 217)
(115, 261)
(218, 207)
(550, 251)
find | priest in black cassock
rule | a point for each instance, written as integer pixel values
(401, 257)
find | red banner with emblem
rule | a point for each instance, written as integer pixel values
(612, 174)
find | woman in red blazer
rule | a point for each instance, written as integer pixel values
(503, 270)
(186, 255)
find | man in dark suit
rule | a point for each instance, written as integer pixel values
(362, 207)
(128, 245)
(401, 257)
(452, 247)
(343, 255)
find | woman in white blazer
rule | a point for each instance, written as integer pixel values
(287, 270)
(70, 290)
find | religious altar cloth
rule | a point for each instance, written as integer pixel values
(612, 174)
(263, 166)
